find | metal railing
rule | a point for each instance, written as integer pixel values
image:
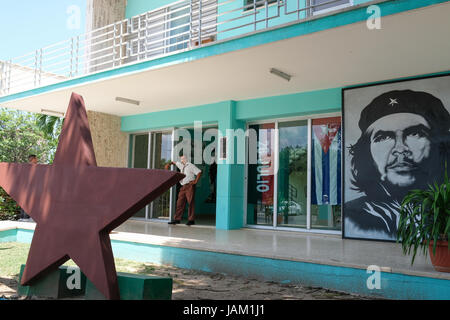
(177, 27)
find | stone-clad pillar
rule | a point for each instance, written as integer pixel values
(110, 144)
(100, 13)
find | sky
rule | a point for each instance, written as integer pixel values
(27, 25)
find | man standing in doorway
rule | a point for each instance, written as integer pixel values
(187, 191)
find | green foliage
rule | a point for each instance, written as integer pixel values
(8, 207)
(294, 159)
(425, 217)
(49, 125)
(20, 136)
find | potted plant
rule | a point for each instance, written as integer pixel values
(425, 223)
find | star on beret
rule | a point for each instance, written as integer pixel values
(393, 102)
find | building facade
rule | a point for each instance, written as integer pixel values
(280, 93)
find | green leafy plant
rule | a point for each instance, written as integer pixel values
(8, 207)
(425, 217)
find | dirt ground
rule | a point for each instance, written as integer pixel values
(198, 285)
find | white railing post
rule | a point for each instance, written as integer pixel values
(139, 40)
(35, 67)
(267, 12)
(9, 76)
(121, 43)
(2, 77)
(77, 55)
(114, 45)
(40, 67)
(199, 23)
(254, 15)
(71, 58)
(190, 24)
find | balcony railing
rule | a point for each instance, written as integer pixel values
(177, 27)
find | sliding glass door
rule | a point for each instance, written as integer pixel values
(153, 151)
(261, 177)
(161, 155)
(292, 174)
(140, 160)
(294, 181)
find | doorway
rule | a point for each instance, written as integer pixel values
(154, 150)
(205, 193)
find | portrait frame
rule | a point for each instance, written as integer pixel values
(349, 124)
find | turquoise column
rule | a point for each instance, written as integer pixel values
(230, 176)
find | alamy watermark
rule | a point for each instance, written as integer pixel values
(374, 19)
(74, 280)
(374, 280)
(204, 146)
(73, 21)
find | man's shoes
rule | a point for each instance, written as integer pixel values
(190, 223)
(174, 222)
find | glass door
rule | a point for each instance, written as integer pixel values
(140, 160)
(261, 176)
(161, 154)
(153, 151)
(292, 174)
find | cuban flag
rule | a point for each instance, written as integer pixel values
(326, 161)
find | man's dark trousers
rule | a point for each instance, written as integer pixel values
(187, 193)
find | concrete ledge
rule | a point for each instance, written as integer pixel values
(136, 287)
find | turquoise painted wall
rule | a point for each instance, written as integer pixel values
(321, 101)
(136, 7)
(298, 104)
(243, 20)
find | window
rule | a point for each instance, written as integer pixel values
(294, 181)
(249, 4)
(321, 6)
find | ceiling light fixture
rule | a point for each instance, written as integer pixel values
(126, 100)
(52, 113)
(281, 74)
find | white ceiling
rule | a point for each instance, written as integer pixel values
(410, 43)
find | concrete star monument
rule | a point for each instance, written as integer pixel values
(77, 204)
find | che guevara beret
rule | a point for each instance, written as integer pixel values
(406, 101)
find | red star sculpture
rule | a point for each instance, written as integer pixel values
(77, 204)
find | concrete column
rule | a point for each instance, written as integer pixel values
(100, 13)
(110, 144)
(230, 176)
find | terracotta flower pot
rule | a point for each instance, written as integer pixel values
(440, 261)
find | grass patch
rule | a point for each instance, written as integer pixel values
(14, 254)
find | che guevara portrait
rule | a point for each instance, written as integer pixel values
(396, 138)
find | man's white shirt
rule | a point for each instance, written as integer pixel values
(188, 169)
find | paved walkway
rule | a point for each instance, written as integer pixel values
(295, 246)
